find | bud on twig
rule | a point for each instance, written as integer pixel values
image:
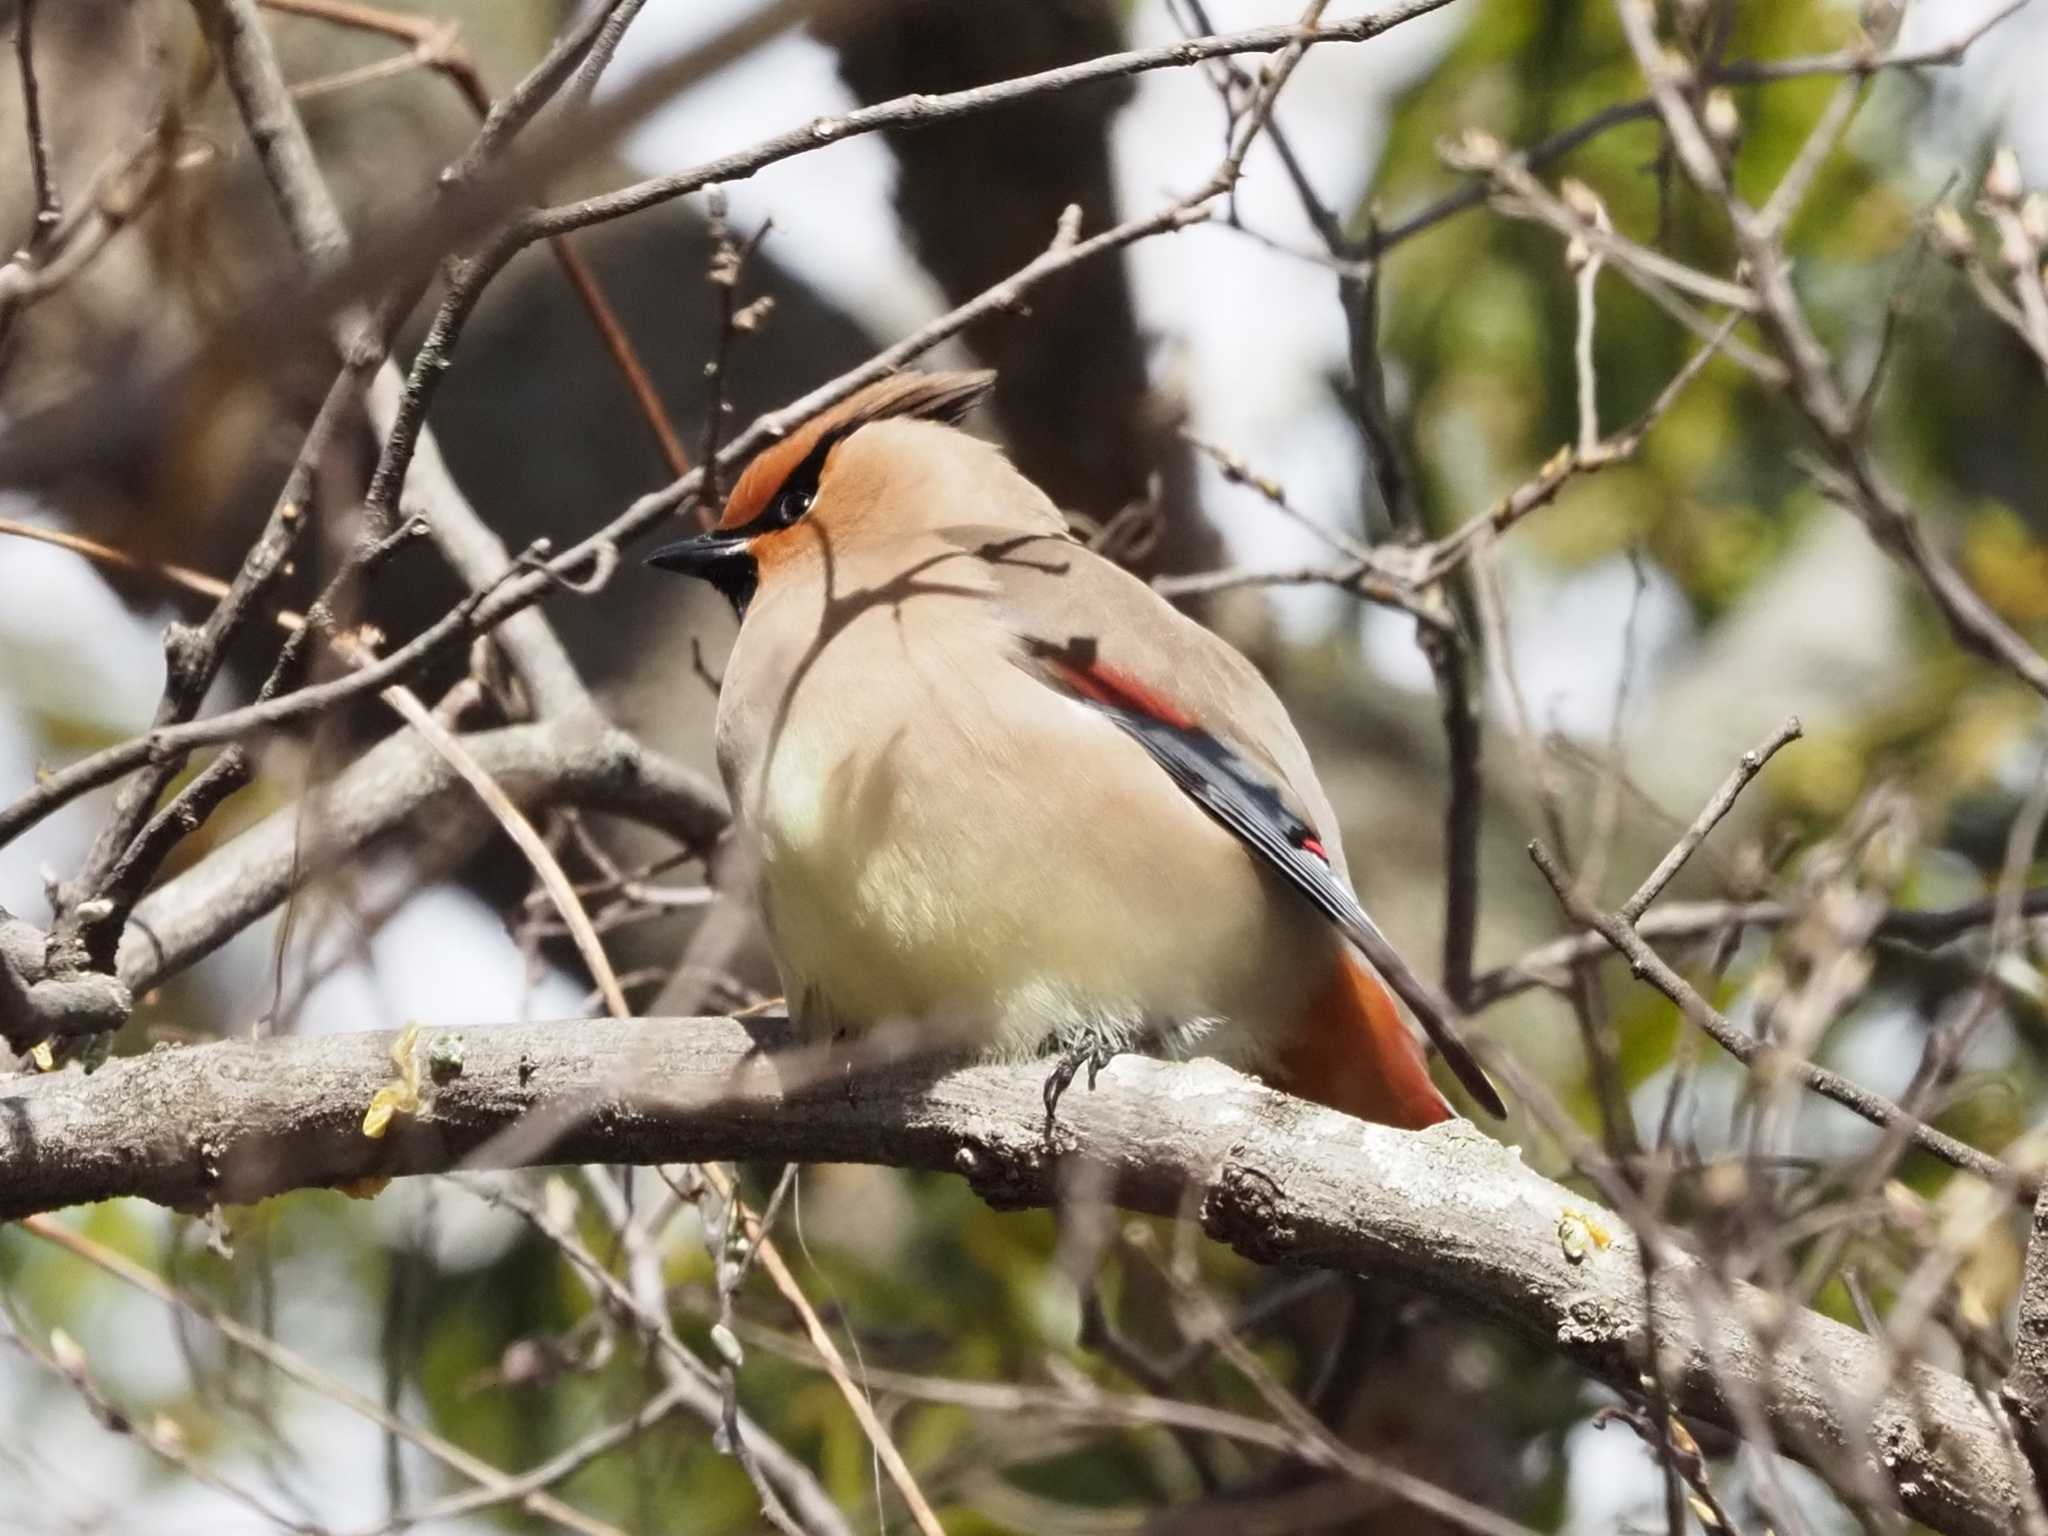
(65, 1352)
(1723, 120)
(2034, 218)
(1952, 234)
(2014, 249)
(2003, 183)
(1473, 150)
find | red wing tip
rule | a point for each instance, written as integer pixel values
(1119, 690)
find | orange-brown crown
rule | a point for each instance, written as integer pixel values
(943, 397)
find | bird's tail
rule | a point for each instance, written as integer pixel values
(1356, 1053)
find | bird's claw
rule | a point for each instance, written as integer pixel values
(1092, 1054)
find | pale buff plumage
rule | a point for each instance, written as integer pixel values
(941, 838)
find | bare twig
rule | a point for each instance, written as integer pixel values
(49, 206)
(193, 658)
(1851, 476)
(791, 1497)
(1234, 468)
(273, 323)
(1864, 60)
(290, 1364)
(779, 1274)
(728, 263)
(1756, 1054)
(529, 841)
(1747, 767)
(1536, 156)
(1319, 1445)
(434, 44)
(1585, 263)
(558, 1468)
(520, 584)
(1669, 81)
(927, 109)
(159, 1434)
(1589, 1004)
(1923, 928)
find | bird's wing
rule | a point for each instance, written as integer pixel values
(1206, 717)
(1061, 598)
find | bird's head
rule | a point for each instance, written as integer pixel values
(830, 479)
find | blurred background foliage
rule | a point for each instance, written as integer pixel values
(1755, 597)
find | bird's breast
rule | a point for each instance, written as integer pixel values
(940, 836)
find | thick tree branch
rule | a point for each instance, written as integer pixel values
(2025, 1390)
(39, 1003)
(1447, 1211)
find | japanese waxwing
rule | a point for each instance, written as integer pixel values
(998, 790)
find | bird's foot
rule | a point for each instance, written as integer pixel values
(1094, 1054)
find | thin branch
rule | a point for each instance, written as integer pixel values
(1537, 155)
(1586, 263)
(273, 323)
(288, 1363)
(543, 1475)
(921, 111)
(539, 86)
(1864, 60)
(1798, 179)
(1924, 928)
(1590, 1008)
(434, 44)
(1234, 468)
(1851, 476)
(521, 583)
(729, 259)
(49, 206)
(159, 1434)
(791, 1497)
(315, 221)
(1747, 767)
(523, 834)
(1669, 80)
(778, 1272)
(193, 658)
(583, 84)
(1320, 1445)
(1759, 1055)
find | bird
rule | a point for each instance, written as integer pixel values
(994, 788)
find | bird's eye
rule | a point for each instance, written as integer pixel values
(800, 489)
(792, 504)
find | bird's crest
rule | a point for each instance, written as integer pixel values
(945, 397)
